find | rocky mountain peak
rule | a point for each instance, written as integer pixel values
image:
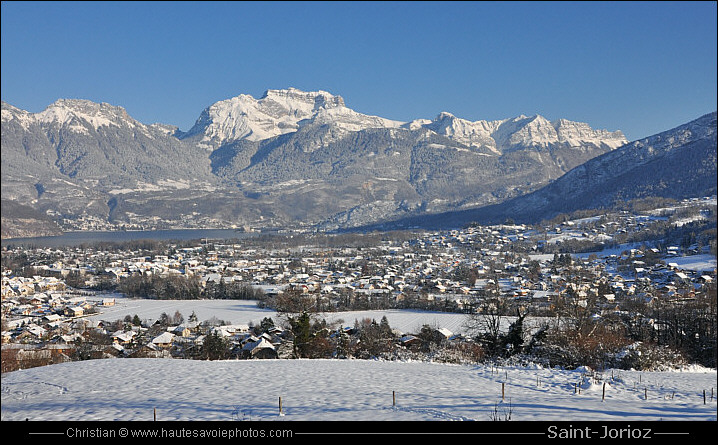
(70, 111)
(277, 112)
(319, 99)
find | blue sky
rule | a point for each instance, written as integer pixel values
(640, 67)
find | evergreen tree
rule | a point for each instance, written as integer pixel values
(384, 327)
(515, 336)
(301, 331)
(215, 347)
(342, 343)
(266, 324)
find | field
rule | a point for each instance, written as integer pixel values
(246, 312)
(348, 390)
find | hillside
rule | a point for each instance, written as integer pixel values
(677, 164)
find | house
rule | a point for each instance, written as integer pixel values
(705, 279)
(76, 311)
(51, 318)
(35, 330)
(123, 337)
(163, 341)
(260, 349)
(115, 350)
(148, 350)
(444, 333)
(409, 340)
(181, 330)
(38, 299)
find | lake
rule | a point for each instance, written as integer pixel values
(78, 238)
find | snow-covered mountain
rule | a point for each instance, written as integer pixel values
(280, 112)
(277, 112)
(503, 135)
(72, 159)
(288, 158)
(679, 163)
(98, 141)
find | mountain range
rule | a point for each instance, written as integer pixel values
(290, 159)
(679, 163)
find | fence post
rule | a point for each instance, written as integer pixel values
(280, 405)
(154, 413)
(503, 392)
(603, 397)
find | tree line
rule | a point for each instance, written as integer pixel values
(185, 288)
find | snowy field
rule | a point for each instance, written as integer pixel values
(239, 312)
(347, 390)
(697, 263)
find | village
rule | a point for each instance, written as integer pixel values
(602, 266)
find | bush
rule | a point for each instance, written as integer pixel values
(649, 357)
(597, 349)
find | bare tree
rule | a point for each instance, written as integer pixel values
(485, 323)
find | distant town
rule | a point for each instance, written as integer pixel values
(638, 283)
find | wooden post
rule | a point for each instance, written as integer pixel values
(154, 413)
(393, 398)
(704, 396)
(280, 405)
(503, 393)
(645, 391)
(603, 397)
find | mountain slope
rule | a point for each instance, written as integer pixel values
(678, 163)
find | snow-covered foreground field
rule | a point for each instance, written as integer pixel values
(346, 390)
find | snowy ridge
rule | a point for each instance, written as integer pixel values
(678, 163)
(286, 111)
(277, 112)
(502, 135)
(10, 113)
(82, 116)
(66, 111)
